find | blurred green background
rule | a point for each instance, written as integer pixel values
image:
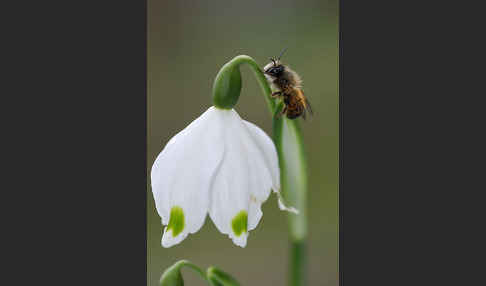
(188, 42)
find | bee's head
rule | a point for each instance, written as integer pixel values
(274, 68)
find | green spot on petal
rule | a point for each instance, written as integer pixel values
(176, 221)
(239, 223)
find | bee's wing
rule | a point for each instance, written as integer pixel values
(307, 104)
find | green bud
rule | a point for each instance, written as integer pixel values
(227, 86)
(220, 278)
(172, 276)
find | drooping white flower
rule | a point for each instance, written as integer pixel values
(221, 165)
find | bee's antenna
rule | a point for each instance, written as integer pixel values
(282, 53)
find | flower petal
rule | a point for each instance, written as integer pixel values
(269, 152)
(265, 159)
(230, 187)
(241, 184)
(181, 176)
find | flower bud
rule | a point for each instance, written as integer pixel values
(172, 276)
(220, 278)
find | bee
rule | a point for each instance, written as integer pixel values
(288, 86)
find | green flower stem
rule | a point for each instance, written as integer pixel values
(292, 161)
(298, 263)
(290, 148)
(293, 176)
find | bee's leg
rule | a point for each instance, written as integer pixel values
(282, 112)
(276, 94)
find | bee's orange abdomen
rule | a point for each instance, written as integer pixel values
(294, 103)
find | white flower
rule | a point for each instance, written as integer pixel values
(221, 165)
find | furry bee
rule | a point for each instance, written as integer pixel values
(289, 87)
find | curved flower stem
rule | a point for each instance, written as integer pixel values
(227, 85)
(262, 81)
(290, 149)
